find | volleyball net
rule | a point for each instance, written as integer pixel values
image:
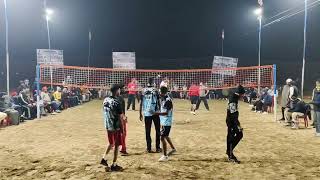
(223, 78)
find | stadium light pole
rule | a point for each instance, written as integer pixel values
(7, 47)
(304, 46)
(89, 54)
(259, 13)
(48, 14)
(222, 42)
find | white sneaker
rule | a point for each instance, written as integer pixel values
(53, 113)
(295, 127)
(317, 134)
(164, 158)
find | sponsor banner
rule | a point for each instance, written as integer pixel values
(50, 56)
(124, 60)
(225, 62)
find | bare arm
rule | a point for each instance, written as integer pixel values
(313, 92)
(141, 102)
(161, 113)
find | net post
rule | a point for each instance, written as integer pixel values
(275, 94)
(51, 76)
(38, 89)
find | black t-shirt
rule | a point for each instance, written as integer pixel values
(167, 102)
(113, 110)
(123, 104)
(233, 103)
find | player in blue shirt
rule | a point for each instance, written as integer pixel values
(148, 106)
(166, 112)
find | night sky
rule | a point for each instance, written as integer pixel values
(179, 33)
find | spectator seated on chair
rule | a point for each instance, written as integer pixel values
(262, 104)
(56, 105)
(300, 110)
(94, 93)
(13, 112)
(86, 95)
(3, 116)
(29, 108)
(295, 105)
(65, 98)
(49, 102)
(267, 101)
(253, 95)
(14, 101)
(78, 94)
(246, 96)
(74, 100)
(57, 99)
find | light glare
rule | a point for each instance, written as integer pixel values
(258, 12)
(49, 11)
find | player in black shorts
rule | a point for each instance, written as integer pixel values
(235, 133)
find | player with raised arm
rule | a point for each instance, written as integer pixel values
(235, 133)
(148, 106)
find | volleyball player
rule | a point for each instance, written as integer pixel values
(148, 106)
(235, 133)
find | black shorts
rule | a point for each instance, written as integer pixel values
(194, 99)
(165, 131)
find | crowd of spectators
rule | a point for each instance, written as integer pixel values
(294, 110)
(21, 104)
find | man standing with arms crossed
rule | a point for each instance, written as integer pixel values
(149, 105)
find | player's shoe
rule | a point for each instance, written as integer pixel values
(164, 158)
(159, 150)
(124, 153)
(149, 151)
(295, 126)
(265, 113)
(172, 152)
(116, 168)
(104, 162)
(233, 159)
(287, 124)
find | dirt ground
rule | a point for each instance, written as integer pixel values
(70, 145)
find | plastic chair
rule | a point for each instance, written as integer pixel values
(304, 119)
